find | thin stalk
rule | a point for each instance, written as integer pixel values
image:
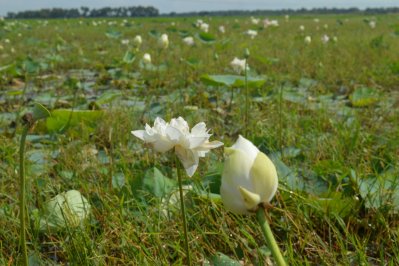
(22, 196)
(268, 234)
(280, 119)
(183, 211)
(246, 99)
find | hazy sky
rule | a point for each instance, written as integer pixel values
(166, 6)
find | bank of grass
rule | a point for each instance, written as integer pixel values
(326, 221)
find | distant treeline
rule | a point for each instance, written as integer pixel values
(133, 11)
(302, 11)
(149, 11)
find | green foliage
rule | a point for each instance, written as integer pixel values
(232, 81)
(61, 119)
(364, 96)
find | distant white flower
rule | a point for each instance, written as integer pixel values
(267, 23)
(164, 41)
(335, 39)
(287, 17)
(125, 41)
(316, 20)
(301, 28)
(254, 21)
(222, 29)
(199, 22)
(173, 23)
(189, 145)
(204, 27)
(238, 65)
(137, 40)
(325, 39)
(147, 58)
(94, 24)
(189, 41)
(308, 39)
(372, 24)
(7, 40)
(252, 33)
(325, 26)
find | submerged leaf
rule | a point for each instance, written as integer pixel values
(364, 96)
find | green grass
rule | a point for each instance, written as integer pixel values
(338, 165)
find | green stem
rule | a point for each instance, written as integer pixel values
(267, 232)
(22, 196)
(183, 211)
(246, 99)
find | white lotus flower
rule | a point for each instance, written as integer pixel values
(189, 40)
(252, 33)
(254, 21)
(189, 145)
(249, 178)
(301, 28)
(372, 24)
(204, 27)
(199, 22)
(308, 39)
(125, 41)
(147, 58)
(325, 39)
(267, 23)
(164, 41)
(137, 40)
(238, 65)
(222, 29)
(316, 20)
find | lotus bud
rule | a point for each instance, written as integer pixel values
(147, 58)
(249, 178)
(164, 41)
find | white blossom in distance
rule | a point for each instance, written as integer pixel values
(252, 33)
(301, 28)
(164, 41)
(238, 65)
(325, 39)
(308, 39)
(189, 41)
(222, 29)
(199, 22)
(147, 58)
(137, 40)
(255, 21)
(267, 23)
(204, 27)
(249, 178)
(189, 145)
(372, 24)
(125, 41)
